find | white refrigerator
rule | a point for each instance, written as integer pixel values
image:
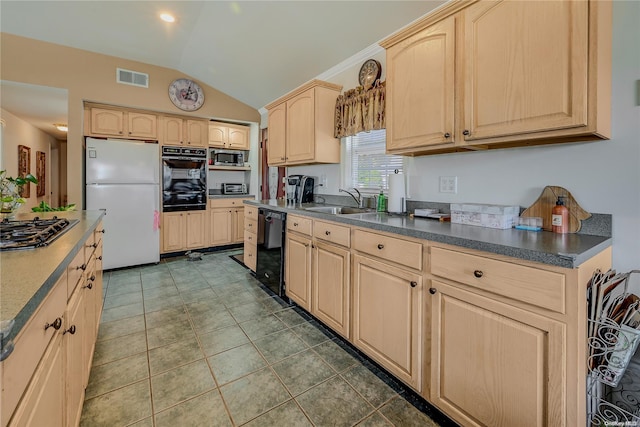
(122, 177)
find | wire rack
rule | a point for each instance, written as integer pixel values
(613, 391)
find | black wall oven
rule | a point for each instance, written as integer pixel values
(184, 179)
(270, 258)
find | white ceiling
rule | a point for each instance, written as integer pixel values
(254, 51)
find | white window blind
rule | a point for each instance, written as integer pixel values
(369, 166)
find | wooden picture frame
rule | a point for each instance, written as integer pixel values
(24, 169)
(41, 173)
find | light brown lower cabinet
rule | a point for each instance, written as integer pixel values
(44, 379)
(298, 269)
(184, 230)
(250, 225)
(494, 364)
(387, 317)
(331, 280)
(43, 403)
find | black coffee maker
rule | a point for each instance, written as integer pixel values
(300, 188)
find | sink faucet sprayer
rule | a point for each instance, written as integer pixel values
(358, 199)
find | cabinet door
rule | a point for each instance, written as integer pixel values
(238, 138)
(43, 402)
(196, 229)
(387, 317)
(220, 224)
(237, 235)
(493, 364)
(525, 67)
(172, 131)
(74, 350)
(107, 122)
(141, 125)
(173, 231)
(217, 135)
(300, 136)
(420, 88)
(331, 286)
(298, 270)
(196, 133)
(276, 142)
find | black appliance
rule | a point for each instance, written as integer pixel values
(300, 188)
(33, 233)
(184, 179)
(270, 258)
(227, 158)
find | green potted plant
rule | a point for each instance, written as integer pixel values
(10, 198)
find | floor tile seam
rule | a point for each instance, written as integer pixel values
(288, 356)
(295, 395)
(108, 294)
(341, 375)
(182, 364)
(185, 401)
(219, 389)
(179, 402)
(120, 386)
(93, 364)
(276, 407)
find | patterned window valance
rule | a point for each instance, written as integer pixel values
(360, 110)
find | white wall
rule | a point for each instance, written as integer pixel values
(18, 132)
(604, 176)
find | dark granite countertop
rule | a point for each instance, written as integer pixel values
(27, 276)
(563, 250)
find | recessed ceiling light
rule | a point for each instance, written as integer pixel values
(61, 127)
(167, 17)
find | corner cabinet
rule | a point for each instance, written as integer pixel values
(301, 126)
(463, 79)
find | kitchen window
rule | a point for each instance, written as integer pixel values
(367, 167)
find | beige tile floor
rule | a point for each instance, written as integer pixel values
(202, 344)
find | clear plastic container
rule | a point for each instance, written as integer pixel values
(533, 223)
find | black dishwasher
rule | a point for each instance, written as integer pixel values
(270, 258)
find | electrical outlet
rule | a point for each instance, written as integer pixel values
(449, 184)
(323, 180)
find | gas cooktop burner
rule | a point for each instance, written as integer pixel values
(34, 233)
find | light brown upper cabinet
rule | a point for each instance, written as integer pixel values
(301, 126)
(124, 124)
(496, 74)
(179, 131)
(226, 135)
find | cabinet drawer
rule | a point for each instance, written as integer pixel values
(392, 249)
(300, 224)
(74, 272)
(251, 212)
(30, 345)
(250, 250)
(332, 232)
(251, 225)
(227, 203)
(533, 286)
(250, 237)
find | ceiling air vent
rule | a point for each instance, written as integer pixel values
(132, 78)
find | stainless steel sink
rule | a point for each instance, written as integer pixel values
(339, 210)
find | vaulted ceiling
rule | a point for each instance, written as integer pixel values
(254, 51)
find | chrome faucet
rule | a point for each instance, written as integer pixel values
(358, 199)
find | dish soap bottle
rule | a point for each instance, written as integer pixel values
(560, 217)
(382, 203)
